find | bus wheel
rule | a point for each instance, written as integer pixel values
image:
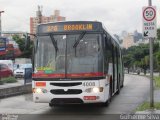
(122, 84)
(51, 105)
(118, 87)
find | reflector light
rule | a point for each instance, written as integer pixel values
(89, 97)
(40, 84)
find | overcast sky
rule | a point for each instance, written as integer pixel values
(117, 15)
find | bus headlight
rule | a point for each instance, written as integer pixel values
(95, 90)
(39, 90)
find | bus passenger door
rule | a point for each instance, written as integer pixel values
(115, 68)
(108, 61)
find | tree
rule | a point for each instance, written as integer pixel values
(145, 63)
(158, 33)
(26, 51)
(158, 61)
(136, 57)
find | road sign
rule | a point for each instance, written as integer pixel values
(2, 44)
(149, 22)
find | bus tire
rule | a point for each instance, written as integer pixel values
(119, 89)
(51, 105)
(118, 86)
(122, 84)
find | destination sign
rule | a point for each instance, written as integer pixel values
(69, 26)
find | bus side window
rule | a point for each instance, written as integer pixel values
(108, 53)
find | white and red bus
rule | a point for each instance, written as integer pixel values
(76, 62)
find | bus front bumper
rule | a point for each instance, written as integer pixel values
(71, 95)
(69, 99)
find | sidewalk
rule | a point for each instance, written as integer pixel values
(10, 89)
(147, 74)
(156, 99)
(19, 82)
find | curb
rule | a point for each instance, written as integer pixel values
(17, 90)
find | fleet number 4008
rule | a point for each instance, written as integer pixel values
(89, 84)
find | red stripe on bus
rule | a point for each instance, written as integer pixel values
(72, 75)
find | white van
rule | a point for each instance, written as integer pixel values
(9, 63)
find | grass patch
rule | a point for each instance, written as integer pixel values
(146, 106)
(9, 80)
(157, 82)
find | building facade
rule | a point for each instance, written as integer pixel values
(10, 34)
(128, 41)
(34, 21)
(132, 39)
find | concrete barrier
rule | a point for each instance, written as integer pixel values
(16, 90)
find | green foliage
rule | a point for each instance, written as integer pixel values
(157, 82)
(20, 42)
(26, 51)
(146, 106)
(137, 56)
(158, 59)
(158, 33)
(9, 80)
(1, 82)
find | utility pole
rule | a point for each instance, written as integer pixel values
(39, 14)
(151, 42)
(0, 22)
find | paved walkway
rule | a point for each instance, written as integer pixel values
(156, 98)
(19, 82)
(147, 74)
(12, 89)
(157, 95)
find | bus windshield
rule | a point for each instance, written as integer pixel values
(71, 54)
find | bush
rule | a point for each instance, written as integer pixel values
(1, 82)
(9, 80)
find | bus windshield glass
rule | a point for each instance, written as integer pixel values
(70, 55)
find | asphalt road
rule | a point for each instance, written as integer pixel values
(134, 92)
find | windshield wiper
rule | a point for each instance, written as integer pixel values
(79, 38)
(54, 42)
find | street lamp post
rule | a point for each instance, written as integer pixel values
(0, 22)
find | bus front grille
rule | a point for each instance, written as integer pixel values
(66, 84)
(66, 101)
(62, 92)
